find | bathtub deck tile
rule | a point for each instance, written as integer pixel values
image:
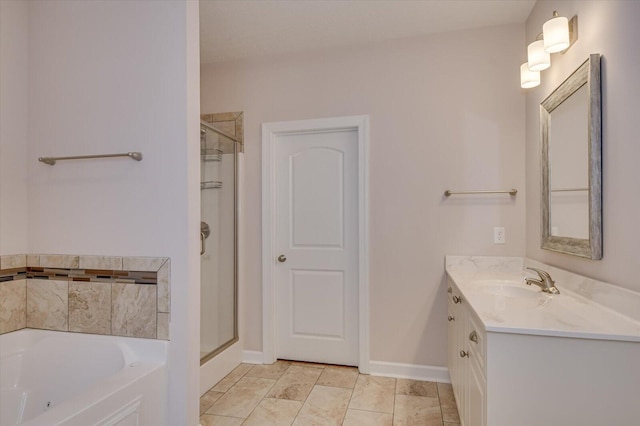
(59, 261)
(132, 263)
(163, 326)
(164, 292)
(86, 294)
(133, 310)
(13, 308)
(90, 307)
(48, 304)
(33, 260)
(101, 262)
(13, 261)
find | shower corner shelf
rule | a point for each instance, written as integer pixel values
(210, 184)
(211, 155)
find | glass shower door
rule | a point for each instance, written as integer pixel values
(218, 235)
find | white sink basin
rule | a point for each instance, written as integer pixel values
(509, 288)
(512, 291)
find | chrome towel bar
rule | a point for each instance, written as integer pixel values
(569, 189)
(449, 192)
(52, 160)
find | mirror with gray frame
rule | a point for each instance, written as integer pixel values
(570, 124)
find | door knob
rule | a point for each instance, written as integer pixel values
(282, 258)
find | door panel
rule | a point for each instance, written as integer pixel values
(317, 231)
(318, 304)
(317, 216)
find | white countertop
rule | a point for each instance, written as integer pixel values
(527, 310)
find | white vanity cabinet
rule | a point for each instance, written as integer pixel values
(466, 358)
(504, 375)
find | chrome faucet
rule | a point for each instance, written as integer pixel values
(545, 282)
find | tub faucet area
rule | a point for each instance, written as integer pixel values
(545, 282)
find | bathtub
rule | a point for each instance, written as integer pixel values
(52, 378)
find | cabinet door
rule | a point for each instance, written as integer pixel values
(456, 329)
(475, 401)
(452, 345)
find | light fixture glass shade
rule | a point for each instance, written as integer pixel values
(556, 34)
(528, 78)
(538, 59)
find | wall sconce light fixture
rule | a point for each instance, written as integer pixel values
(558, 34)
(538, 59)
(528, 78)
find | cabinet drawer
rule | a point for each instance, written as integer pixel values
(475, 340)
(454, 295)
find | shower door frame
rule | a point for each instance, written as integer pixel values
(236, 336)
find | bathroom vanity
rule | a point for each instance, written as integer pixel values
(518, 356)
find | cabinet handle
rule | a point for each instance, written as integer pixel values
(457, 299)
(473, 336)
(464, 354)
(450, 318)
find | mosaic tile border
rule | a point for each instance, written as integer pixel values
(122, 296)
(13, 274)
(85, 275)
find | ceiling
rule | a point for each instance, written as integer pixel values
(240, 29)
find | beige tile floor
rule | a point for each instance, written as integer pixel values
(300, 394)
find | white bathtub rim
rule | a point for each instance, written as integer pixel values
(150, 349)
(142, 357)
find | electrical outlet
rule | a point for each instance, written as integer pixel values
(499, 235)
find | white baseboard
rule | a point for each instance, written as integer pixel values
(252, 357)
(381, 368)
(410, 371)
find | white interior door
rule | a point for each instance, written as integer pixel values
(316, 287)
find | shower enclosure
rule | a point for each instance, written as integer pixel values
(218, 239)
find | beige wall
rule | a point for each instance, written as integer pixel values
(611, 29)
(107, 77)
(446, 112)
(14, 44)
